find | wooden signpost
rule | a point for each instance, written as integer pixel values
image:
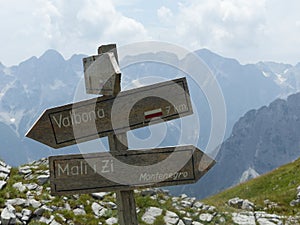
(112, 115)
(96, 172)
(92, 118)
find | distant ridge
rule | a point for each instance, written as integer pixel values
(261, 140)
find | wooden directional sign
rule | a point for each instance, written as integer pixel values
(90, 119)
(101, 72)
(88, 173)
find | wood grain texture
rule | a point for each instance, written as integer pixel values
(158, 167)
(95, 118)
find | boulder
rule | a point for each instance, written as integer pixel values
(241, 204)
(206, 217)
(19, 186)
(111, 221)
(187, 220)
(8, 215)
(150, 215)
(98, 209)
(243, 218)
(79, 211)
(100, 195)
(148, 192)
(42, 179)
(2, 184)
(34, 203)
(171, 218)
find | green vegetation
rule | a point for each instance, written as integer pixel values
(278, 186)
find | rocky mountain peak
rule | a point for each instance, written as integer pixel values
(262, 140)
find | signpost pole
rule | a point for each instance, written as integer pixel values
(125, 199)
(118, 143)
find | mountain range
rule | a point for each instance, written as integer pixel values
(36, 84)
(261, 141)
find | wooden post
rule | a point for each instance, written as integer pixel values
(125, 199)
(118, 143)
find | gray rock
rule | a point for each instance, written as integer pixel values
(42, 179)
(8, 215)
(100, 195)
(183, 196)
(25, 170)
(67, 206)
(247, 205)
(98, 209)
(162, 202)
(39, 212)
(19, 186)
(264, 218)
(79, 211)
(186, 204)
(54, 223)
(110, 205)
(241, 204)
(16, 201)
(181, 223)
(265, 221)
(25, 218)
(196, 223)
(3, 164)
(61, 217)
(26, 212)
(243, 218)
(206, 217)
(46, 220)
(111, 221)
(34, 203)
(3, 176)
(5, 169)
(150, 215)
(171, 218)
(298, 189)
(198, 205)
(2, 184)
(235, 202)
(31, 186)
(148, 192)
(187, 220)
(175, 199)
(295, 202)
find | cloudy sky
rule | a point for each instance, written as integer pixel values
(249, 31)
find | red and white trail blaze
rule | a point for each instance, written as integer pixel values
(153, 113)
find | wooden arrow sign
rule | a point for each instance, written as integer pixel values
(94, 172)
(87, 120)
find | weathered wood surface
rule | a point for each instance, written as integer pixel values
(102, 74)
(128, 170)
(91, 119)
(119, 144)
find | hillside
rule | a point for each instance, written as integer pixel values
(25, 199)
(277, 192)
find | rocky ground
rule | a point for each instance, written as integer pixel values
(25, 199)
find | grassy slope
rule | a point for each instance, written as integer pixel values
(279, 186)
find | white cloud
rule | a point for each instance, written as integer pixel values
(69, 27)
(227, 23)
(247, 30)
(165, 15)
